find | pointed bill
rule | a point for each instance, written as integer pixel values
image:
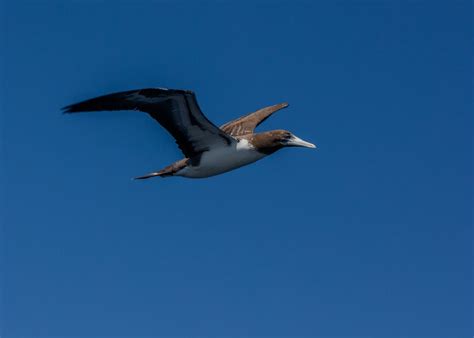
(297, 142)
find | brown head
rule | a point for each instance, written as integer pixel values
(271, 141)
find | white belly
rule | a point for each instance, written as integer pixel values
(221, 160)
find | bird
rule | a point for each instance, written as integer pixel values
(208, 150)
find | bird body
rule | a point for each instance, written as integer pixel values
(223, 159)
(208, 150)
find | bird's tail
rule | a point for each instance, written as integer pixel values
(151, 175)
(170, 170)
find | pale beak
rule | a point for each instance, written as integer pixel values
(297, 142)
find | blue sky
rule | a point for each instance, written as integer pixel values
(368, 236)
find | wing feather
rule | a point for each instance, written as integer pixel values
(176, 110)
(246, 124)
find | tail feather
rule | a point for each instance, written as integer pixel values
(150, 175)
(170, 170)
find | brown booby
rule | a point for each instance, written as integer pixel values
(208, 150)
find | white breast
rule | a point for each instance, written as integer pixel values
(223, 159)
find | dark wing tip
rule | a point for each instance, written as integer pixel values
(73, 108)
(68, 109)
(118, 101)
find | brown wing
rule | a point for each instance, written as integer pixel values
(176, 110)
(246, 124)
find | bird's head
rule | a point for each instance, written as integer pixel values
(271, 141)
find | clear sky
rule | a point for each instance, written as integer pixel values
(367, 236)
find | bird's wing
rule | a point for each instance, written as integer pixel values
(176, 110)
(246, 124)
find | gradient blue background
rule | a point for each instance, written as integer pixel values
(367, 236)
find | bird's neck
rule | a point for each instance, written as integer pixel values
(266, 142)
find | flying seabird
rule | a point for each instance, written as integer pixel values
(208, 150)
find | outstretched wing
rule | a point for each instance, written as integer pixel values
(176, 110)
(246, 124)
